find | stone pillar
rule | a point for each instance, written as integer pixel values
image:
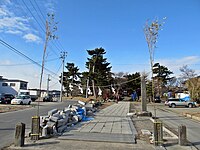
(35, 128)
(158, 133)
(19, 134)
(182, 136)
(143, 93)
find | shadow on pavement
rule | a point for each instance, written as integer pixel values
(40, 144)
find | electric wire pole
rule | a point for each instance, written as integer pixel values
(63, 54)
(48, 79)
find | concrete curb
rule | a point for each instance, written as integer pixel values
(191, 116)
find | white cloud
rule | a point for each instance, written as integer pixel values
(13, 32)
(3, 12)
(14, 23)
(174, 64)
(10, 23)
(32, 38)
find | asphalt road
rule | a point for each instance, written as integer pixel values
(173, 120)
(9, 120)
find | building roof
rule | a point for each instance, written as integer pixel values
(11, 80)
(15, 80)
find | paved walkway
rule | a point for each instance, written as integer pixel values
(109, 125)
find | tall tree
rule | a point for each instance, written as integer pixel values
(99, 69)
(151, 34)
(134, 82)
(71, 76)
(161, 78)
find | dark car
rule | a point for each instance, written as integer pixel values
(157, 99)
(48, 98)
(6, 98)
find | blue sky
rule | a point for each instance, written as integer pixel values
(115, 25)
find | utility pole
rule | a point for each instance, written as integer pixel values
(63, 54)
(50, 29)
(48, 79)
(43, 59)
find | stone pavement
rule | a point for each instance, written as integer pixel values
(109, 125)
(110, 129)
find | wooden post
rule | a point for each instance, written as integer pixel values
(182, 136)
(158, 133)
(19, 134)
(35, 130)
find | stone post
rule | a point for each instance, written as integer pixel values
(19, 134)
(143, 93)
(182, 136)
(158, 133)
(35, 128)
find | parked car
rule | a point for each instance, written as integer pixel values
(157, 99)
(48, 98)
(6, 98)
(173, 102)
(22, 99)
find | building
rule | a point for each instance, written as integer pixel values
(12, 86)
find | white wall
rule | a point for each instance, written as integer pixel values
(7, 89)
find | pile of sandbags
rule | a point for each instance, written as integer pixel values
(57, 121)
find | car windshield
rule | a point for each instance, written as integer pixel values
(20, 97)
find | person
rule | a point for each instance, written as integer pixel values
(117, 97)
(134, 95)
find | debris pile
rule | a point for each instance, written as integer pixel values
(57, 121)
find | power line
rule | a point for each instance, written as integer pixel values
(24, 64)
(57, 42)
(23, 55)
(38, 22)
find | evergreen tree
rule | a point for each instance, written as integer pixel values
(161, 78)
(135, 82)
(99, 69)
(71, 76)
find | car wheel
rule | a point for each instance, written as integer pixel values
(190, 105)
(173, 105)
(21, 103)
(29, 103)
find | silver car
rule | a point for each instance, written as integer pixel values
(173, 102)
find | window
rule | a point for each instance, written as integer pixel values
(12, 84)
(23, 86)
(4, 84)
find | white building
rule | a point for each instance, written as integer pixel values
(12, 86)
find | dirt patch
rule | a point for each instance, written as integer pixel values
(9, 108)
(83, 99)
